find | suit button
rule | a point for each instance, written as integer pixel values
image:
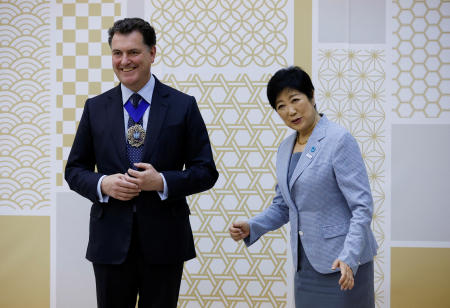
(300, 232)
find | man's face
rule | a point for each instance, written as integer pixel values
(132, 59)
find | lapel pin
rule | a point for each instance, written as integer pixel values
(308, 155)
(313, 149)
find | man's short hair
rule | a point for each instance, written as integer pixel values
(128, 25)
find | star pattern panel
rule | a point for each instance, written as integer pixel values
(350, 91)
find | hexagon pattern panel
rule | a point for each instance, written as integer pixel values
(245, 133)
(351, 91)
(421, 59)
(25, 107)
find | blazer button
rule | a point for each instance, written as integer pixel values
(300, 232)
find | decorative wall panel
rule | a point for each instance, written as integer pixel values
(221, 33)
(231, 48)
(83, 67)
(245, 133)
(421, 59)
(351, 92)
(25, 106)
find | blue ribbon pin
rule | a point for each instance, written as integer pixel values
(313, 149)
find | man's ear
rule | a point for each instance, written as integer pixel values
(153, 53)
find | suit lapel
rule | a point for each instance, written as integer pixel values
(158, 110)
(283, 159)
(114, 111)
(311, 150)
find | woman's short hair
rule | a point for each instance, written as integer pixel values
(292, 77)
(128, 25)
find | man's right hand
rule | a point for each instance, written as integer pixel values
(239, 230)
(118, 187)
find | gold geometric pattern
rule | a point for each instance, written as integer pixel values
(245, 133)
(351, 92)
(221, 33)
(25, 106)
(421, 59)
(83, 65)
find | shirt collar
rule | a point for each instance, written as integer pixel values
(146, 92)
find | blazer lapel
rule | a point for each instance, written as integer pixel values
(311, 150)
(158, 110)
(114, 111)
(283, 159)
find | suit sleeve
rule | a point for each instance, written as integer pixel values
(80, 169)
(200, 171)
(353, 182)
(272, 218)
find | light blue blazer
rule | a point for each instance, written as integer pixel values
(327, 201)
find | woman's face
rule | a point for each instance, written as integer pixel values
(296, 110)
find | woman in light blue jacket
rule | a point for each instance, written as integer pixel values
(324, 192)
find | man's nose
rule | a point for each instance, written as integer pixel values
(124, 60)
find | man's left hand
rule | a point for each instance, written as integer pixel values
(147, 179)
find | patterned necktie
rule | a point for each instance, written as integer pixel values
(134, 153)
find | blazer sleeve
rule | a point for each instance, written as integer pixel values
(272, 218)
(351, 177)
(80, 169)
(200, 171)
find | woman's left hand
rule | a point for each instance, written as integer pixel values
(346, 282)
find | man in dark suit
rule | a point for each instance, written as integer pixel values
(139, 150)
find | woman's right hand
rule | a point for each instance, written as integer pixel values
(239, 230)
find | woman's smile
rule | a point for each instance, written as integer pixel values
(297, 121)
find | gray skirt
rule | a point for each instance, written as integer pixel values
(313, 289)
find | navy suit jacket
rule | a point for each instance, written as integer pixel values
(176, 144)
